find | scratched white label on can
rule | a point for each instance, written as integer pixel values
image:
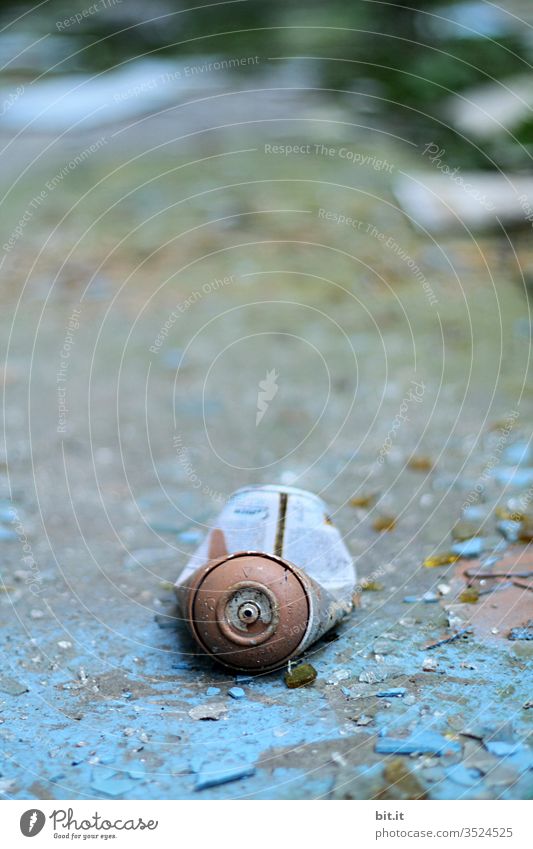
(290, 523)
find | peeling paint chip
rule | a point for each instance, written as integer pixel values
(213, 711)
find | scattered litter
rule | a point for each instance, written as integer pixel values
(427, 598)
(430, 664)
(461, 774)
(420, 464)
(64, 645)
(339, 675)
(402, 781)
(393, 693)
(521, 585)
(469, 596)
(444, 559)
(525, 632)
(364, 501)
(382, 646)
(470, 547)
(448, 638)
(470, 573)
(236, 693)
(213, 691)
(372, 586)
(11, 686)
(510, 529)
(384, 523)
(421, 742)
(379, 674)
(212, 778)
(300, 676)
(212, 711)
(443, 589)
(464, 530)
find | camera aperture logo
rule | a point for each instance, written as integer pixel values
(32, 822)
(268, 389)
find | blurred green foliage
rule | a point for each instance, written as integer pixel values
(403, 56)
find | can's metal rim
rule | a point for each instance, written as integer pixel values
(213, 564)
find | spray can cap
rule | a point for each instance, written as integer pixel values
(250, 610)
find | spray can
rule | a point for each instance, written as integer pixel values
(270, 578)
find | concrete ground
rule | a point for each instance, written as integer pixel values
(148, 293)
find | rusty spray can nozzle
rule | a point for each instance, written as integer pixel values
(271, 578)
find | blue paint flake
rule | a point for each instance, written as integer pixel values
(236, 693)
(421, 742)
(500, 748)
(213, 691)
(392, 693)
(466, 776)
(470, 547)
(213, 777)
